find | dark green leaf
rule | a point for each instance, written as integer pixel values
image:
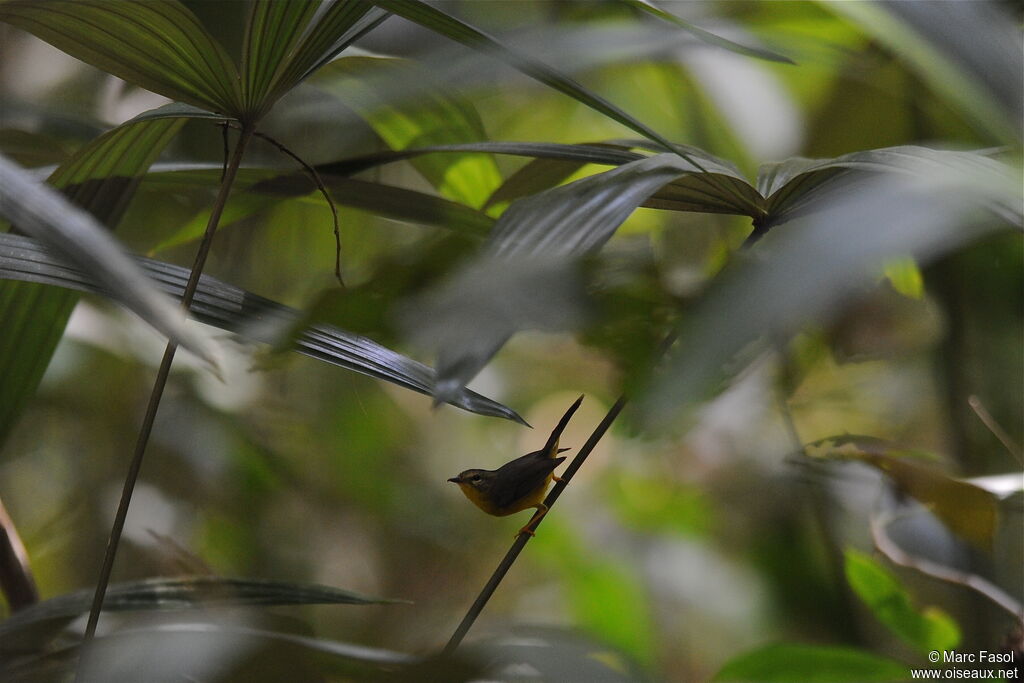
(179, 110)
(601, 153)
(272, 32)
(158, 45)
(251, 316)
(790, 663)
(926, 630)
(707, 36)
(342, 23)
(174, 594)
(386, 200)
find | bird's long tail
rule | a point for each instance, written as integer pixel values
(551, 447)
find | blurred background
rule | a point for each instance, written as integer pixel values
(678, 549)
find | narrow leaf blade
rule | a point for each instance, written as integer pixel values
(236, 310)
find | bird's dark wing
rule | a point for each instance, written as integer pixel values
(520, 477)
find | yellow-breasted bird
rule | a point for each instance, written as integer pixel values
(520, 483)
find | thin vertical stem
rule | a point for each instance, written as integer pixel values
(158, 387)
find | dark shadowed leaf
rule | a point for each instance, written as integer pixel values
(793, 185)
(251, 316)
(547, 232)
(926, 630)
(468, 319)
(707, 36)
(158, 45)
(809, 269)
(172, 594)
(792, 663)
(968, 510)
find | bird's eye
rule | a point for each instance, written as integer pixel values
(475, 477)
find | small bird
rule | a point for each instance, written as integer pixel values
(520, 483)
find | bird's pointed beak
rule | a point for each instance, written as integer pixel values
(454, 480)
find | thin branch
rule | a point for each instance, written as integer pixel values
(879, 526)
(16, 580)
(524, 538)
(311, 171)
(997, 431)
(158, 388)
(225, 149)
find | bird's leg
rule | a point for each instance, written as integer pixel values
(557, 479)
(542, 510)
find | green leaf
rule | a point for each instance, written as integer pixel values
(451, 27)
(905, 277)
(158, 45)
(968, 510)
(879, 589)
(707, 36)
(101, 177)
(272, 32)
(179, 110)
(236, 310)
(606, 597)
(436, 117)
(286, 40)
(793, 663)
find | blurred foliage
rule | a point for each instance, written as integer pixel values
(711, 543)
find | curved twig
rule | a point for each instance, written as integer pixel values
(897, 555)
(311, 171)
